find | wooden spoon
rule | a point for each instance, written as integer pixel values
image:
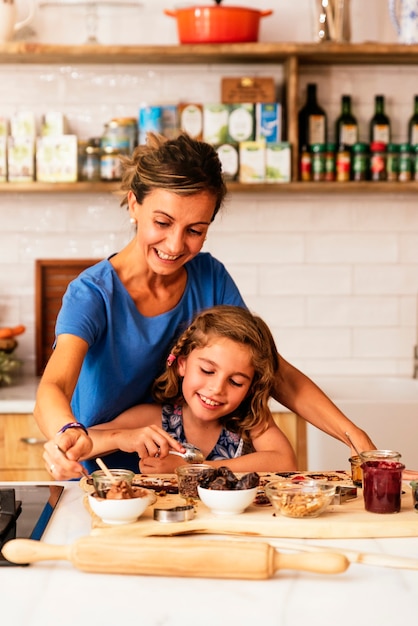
(107, 472)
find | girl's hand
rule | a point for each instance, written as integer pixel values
(149, 442)
(166, 465)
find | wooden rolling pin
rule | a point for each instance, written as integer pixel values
(174, 557)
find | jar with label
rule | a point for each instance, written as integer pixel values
(415, 163)
(405, 163)
(392, 162)
(330, 162)
(122, 133)
(90, 160)
(360, 161)
(378, 161)
(305, 164)
(318, 162)
(343, 164)
(110, 165)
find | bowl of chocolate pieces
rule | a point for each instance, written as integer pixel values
(115, 500)
(226, 494)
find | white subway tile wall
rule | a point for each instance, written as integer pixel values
(335, 276)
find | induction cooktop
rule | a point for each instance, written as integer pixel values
(25, 511)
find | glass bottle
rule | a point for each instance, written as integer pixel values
(380, 122)
(346, 127)
(413, 125)
(312, 120)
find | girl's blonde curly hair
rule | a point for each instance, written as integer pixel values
(241, 326)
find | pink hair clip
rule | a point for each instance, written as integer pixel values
(170, 359)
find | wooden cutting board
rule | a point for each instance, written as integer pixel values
(347, 520)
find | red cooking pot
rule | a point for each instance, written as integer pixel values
(216, 24)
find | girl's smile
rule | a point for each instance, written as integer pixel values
(216, 378)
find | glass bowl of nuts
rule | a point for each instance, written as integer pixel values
(300, 498)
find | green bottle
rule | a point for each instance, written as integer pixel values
(346, 127)
(413, 125)
(380, 122)
(312, 120)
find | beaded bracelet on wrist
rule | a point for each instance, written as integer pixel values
(72, 425)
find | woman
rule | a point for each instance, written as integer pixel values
(119, 318)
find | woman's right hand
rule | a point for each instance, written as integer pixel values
(62, 454)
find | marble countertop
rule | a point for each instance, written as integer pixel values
(48, 593)
(19, 397)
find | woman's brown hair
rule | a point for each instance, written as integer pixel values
(182, 165)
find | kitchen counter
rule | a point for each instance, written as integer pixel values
(20, 396)
(55, 592)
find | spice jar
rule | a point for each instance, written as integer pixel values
(305, 164)
(392, 162)
(378, 161)
(90, 160)
(415, 163)
(360, 161)
(188, 477)
(318, 162)
(330, 162)
(343, 164)
(405, 163)
(110, 165)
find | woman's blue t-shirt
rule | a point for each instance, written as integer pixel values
(127, 351)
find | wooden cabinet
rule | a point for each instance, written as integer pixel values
(21, 448)
(291, 56)
(294, 427)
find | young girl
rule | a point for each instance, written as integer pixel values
(214, 394)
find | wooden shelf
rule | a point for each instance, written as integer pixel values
(260, 52)
(235, 187)
(291, 55)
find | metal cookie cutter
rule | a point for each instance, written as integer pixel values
(175, 514)
(344, 493)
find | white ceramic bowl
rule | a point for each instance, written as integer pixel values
(121, 511)
(230, 502)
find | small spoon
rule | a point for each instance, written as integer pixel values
(351, 442)
(192, 454)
